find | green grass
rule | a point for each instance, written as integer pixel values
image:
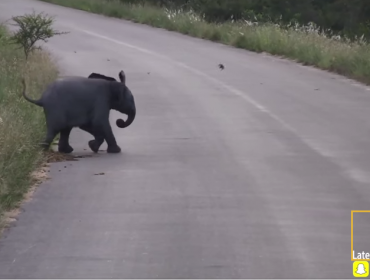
(22, 125)
(302, 44)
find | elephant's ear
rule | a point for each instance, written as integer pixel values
(122, 77)
(100, 76)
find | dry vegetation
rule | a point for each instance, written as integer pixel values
(304, 44)
(22, 125)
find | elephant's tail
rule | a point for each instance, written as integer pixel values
(36, 102)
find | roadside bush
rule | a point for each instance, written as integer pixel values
(308, 44)
(22, 125)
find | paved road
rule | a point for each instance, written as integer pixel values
(250, 172)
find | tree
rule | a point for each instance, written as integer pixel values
(32, 28)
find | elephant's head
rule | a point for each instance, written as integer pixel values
(122, 99)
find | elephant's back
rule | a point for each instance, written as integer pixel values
(79, 83)
(74, 92)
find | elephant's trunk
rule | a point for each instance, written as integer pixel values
(131, 116)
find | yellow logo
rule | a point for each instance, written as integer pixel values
(361, 269)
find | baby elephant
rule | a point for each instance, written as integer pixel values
(63, 144)
(85, 103)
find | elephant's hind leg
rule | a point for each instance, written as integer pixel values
(63, 146)
(50, 135)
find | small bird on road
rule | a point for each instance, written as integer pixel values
(221, 66)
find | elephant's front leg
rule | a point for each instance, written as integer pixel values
(99, 134)
(98, 141)
(104, 129)
(113, 148)
(63, 145)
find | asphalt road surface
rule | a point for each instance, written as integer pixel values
(249, 172)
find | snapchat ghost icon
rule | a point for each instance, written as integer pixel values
(361, 269)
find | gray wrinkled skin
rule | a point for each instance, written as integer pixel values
(85, 103)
